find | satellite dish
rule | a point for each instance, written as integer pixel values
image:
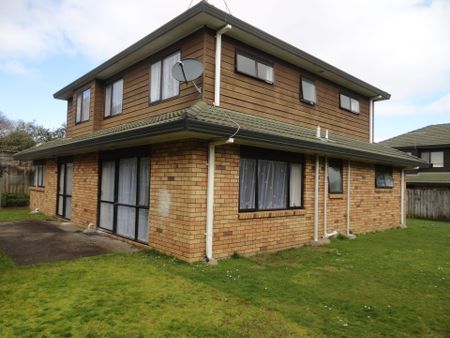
(188, 70)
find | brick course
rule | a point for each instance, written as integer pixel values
(178, 188)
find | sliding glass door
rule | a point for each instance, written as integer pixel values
(64, 200)
(124, 197)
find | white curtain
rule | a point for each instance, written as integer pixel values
(265, 72)
(295, 189)
(155, 82)
(247, 184)
(86, 103)
(308, 90)
(68, 214)
(117, 97)
(246, 65)
(60, 205)
(127, 181)
(106, 215)
(108, 171)
(354, 105)
(61, 179)
(69, 171)
(272, 184)
(78, 111)
(143, 225)
(170, 85)
(126, 217)
(144, 176)
(108, 91)
(335, 178)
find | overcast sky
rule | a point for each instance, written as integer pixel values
(400, 46)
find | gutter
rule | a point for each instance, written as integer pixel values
(218, 63)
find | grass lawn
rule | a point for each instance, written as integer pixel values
(395, 283)
(21, 214)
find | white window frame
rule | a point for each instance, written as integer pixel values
(110, 91)
(154, 65)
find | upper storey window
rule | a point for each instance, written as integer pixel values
(349, 103)
(83, 103)
(434, 158)
(162, 84)
(308, 91)
(114, 98)
(253, 66)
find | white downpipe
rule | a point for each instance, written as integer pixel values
(370, 120)
(210, 196)
(348, 198)
(316, 201)
(402, 199)
(218, 63)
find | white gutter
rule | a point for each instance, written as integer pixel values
(218, 63)
(402, 200)
(371, 120)
(348, 199)
(210, 197)
(316, 201)
(325, 203)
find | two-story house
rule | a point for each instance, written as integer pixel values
(275, 151)
(431, 144)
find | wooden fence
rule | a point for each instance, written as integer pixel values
(429, 203)
(18, 174)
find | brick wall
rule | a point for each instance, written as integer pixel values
(178, 199)
(45, 198)
(85, 189)
(177, 218)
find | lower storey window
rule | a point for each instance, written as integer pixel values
(38, 179)
(383, 177)
(124, 197)
(270, 184)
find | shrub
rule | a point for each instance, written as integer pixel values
(16, 199)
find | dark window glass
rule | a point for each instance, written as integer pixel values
(349, 103)
(335, 177)
(383, 177)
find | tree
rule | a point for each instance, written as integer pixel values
(19, 135)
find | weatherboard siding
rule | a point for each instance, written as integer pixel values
(239, 92)
(281, 100)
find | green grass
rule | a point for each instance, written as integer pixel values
(21, 214)
(394, 283)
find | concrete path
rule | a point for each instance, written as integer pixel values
(32, 242)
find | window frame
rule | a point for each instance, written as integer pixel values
(160, 59)
(351, 97)
(272, 155)
(313, 82)
(81, 93)
(39, 167)
(341, 167)
(429, 152)
(387, 170)
(111, 84)
(257, 60)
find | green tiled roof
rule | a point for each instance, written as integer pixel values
(216, 121)
(429, 177)
(436, 134)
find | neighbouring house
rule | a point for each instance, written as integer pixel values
(428, 186)
(15, 175)
(274, 152)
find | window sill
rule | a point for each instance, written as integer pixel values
(39, 189)
(271, 214)
(383, 190)
(336, 196)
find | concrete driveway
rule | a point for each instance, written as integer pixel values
(31, 242)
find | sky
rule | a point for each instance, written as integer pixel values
(401, 46)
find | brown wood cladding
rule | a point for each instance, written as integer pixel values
(239, 92)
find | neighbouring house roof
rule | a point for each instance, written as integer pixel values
(430, 136)
(206, 121)
(429, 178)
(204, 14)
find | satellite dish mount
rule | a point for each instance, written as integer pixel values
(188, 70)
